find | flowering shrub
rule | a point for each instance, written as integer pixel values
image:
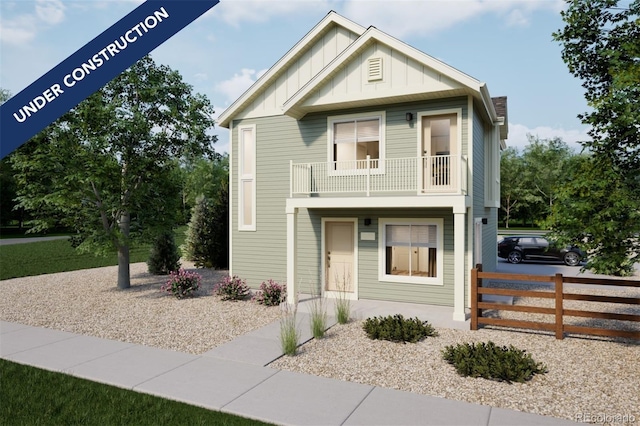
(232, 288)
(182, 283)
(271, 293)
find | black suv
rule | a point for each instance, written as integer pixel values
(534, 247)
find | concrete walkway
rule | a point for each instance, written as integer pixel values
(234, 378)
(25, 240)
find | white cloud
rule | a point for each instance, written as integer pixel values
(237, 11)
(50, 11)
(18, 31)
(22, 29)
(518, 135)
(402, 18)
(239, 83)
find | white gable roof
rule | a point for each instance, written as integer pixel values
(342, 83)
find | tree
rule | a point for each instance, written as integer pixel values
(207, 242)
(204, 176)
(107, 166)
(543, 170)
(512, 188)
(601, 46)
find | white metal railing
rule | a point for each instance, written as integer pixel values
(433, 174)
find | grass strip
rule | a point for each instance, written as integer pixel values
(48, 257)
(32, 396)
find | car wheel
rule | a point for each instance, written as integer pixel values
(571, 259)
(514, 257)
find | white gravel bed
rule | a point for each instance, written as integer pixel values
(590, 379)
(88, 302)
(588, 376)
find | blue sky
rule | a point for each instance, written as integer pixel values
(505, 43)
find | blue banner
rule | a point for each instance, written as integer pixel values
(93, 66)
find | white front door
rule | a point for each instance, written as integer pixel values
(339, 257)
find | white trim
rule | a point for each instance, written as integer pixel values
(246, 176)
(459, 228)
(458, 202)
(323, 265)
(470, 144)
(381, 116)
(382, 237)
(231, 192)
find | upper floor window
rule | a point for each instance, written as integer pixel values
(356, 141)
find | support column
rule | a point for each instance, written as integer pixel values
(459, 225)
(292, 255)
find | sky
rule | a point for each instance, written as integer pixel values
(507, 44)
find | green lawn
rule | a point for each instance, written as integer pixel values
(46, 257)
(32, 396)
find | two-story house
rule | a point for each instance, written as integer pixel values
(360, 164)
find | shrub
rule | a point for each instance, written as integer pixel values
(398, 329)
(182, 283)
(271, 293)
(318, 316)
(493, 362)
(232, 288)
(164, 256)
(289, 335)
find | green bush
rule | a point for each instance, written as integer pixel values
(398, 329)
(207, 238)
(492, 362)
(164, 256)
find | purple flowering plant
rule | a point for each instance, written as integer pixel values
(232, 288)
(271, 293)
(182, 283)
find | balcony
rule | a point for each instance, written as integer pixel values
(440, 174)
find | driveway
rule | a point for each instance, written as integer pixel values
(9, 241)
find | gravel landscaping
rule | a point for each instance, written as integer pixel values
(589, 378)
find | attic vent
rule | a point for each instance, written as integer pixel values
(375, 69)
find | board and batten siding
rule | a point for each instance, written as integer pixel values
(309, 63)
(401, 75)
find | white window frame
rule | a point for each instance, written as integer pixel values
(381, 117)
(382, 232)
(246, 176)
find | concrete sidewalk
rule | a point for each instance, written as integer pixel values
(233, 378)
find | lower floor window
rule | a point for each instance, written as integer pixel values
(411, 252)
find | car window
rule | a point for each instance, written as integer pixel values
(526, 241)
(542, 242)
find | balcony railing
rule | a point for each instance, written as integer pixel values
(422, 175)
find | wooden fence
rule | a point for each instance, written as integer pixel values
(558, 311)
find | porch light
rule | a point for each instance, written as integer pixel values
(409, 116)
(367, 221)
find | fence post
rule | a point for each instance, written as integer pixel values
(475, 312)
(559, 309)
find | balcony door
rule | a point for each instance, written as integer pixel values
(439, 150)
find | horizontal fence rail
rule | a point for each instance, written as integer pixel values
(440, 173)
(558, 311)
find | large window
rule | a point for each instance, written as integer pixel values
(354, 139)
(411, 251)
(247, 178)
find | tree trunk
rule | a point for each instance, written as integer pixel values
(124, 277)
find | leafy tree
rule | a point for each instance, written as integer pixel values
(544, 170)
(108, 165)
(512, 186)
(601, 47)
(7, 181)
(204, 176)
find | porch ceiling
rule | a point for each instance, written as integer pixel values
(459, 203)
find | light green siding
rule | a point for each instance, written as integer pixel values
(489, 246)
(260, 255)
